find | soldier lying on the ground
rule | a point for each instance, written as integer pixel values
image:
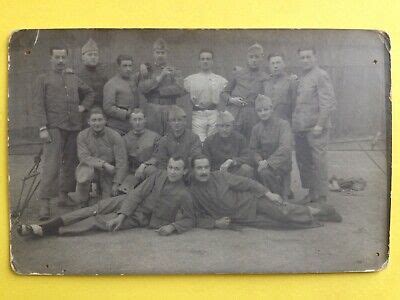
(221, 198)
(161, 202)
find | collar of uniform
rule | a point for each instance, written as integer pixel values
(138, 134)
(277, 76)
(97, 134)
(271, 120)
(179, 138)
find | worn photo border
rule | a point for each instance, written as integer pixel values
(383, 15)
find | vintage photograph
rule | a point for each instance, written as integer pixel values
(182, 151)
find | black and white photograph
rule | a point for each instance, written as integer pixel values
(198, 151)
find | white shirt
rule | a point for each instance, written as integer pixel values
(204, 88)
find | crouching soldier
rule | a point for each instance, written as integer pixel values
(228, 149)
(271, 143)
(102, 156)
(221, 199)
(140, 144)
(161, 202)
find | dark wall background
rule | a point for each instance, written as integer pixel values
(357, 62)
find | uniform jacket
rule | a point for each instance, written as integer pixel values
(140, 147)
(120, 95)
(315, 100)
(187, 145)
(282, 91)
(165, 92)
(107, 146)
(163, 200)
(96, 78)
(220, 149)
(272, 141)
(225, 195)
(56, 100)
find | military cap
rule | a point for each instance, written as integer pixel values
(89, 46)
(256, 48)
(160, 44)
(176, 112)
(225, 117)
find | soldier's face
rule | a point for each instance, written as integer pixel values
(264, 110)
(202, 169)
(225, 129)
(97, 122)
(160, 56)
(177, 125)
(175, 170)
(276, 64)
(206, 61)
(138, 121)
(254, 60)
(90, 58)
(58, 59)
(126, 68)
(307, 59)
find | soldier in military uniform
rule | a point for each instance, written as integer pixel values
(59, 110)
(241, 91)
(121, 95)
(311, 122)
(280, 87)
(162, 85)
(92, 73)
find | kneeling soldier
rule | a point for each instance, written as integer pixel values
(102, 156)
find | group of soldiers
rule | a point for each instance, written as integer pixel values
(220, 159)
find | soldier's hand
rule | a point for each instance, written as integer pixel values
(274, 197)
(109, 168)
(166, 230)
(140, 171)
(115, 224)
(143, 70)
(45, 136)
(225, 166)
(81, 108)
(317, 130)
(223, 223)
(263, 164)
(238, 101)
(115, 189)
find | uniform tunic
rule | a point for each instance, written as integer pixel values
(154, 203)
(56, 101)
(243, 200)
(247, 84)
(96, 78)
(160, 96)
(281, 89)
(314, 104)
(120, 96)
(234, 147)
(187, 145)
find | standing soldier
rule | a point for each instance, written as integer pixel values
(58, 110)
(102, 156)
(121, 95)
(162, 85)
(311, 122)
(280, 87)
(242, 90)
(92, 73)
(205, 88)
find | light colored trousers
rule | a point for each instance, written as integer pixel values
(204, 123)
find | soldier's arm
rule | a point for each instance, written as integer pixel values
(244, 184)
(84, 153)
(227, 91)
(87, 93)
(255, 145)
(196, 146)
(284, 151)
(161, 153)
(39, 109)
(109, 103)
(326, 98)
(148, 83)
(175, 88)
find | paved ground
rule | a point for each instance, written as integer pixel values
(358, 243)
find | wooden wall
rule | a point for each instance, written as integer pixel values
(357, 62)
